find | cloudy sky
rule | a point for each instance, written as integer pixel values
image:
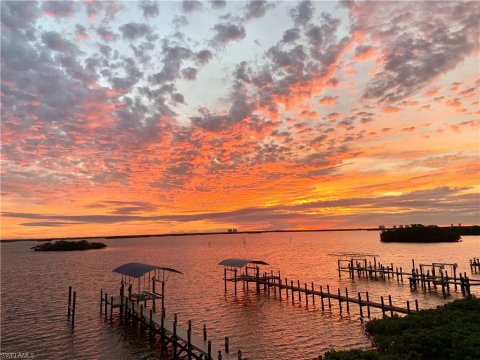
(153, 117)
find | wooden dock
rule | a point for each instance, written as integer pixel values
(426, 276)
(181, 343)
(273, 284)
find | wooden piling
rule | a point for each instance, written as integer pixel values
(69, 301)
(368, 304)
(313, 294)
(340, 301)
(321, 298)
(329, 301)
(73, 308)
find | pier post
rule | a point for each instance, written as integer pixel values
(346, 300)
(306, 295)
(257, 278)
(339, 301)
(329, 300)
(239, 354)
(279, 286)
(368, 304)
(204, 332)
(69, 302)
(390, 303)
(313, 294)
(462, 284)
(189, 340)
(299, 291)
(383, 306)
(401, 274)
(416, 305)
(293, 297)
(73, 308)
(455, 276)
(338, 268)
(226, 345)
(286, 287)
(189, 345)
(219, 355)
(235, 276)
(408, 307)
(209, 349)
(360, 304)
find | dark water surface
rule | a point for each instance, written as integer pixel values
(34, 293)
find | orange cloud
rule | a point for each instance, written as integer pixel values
(328, 100)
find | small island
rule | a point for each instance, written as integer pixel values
(63, 245)
(418, 233)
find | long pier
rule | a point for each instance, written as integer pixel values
(427, 276)
(273, 283)
(182, 343)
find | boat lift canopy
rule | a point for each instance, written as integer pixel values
(239, 263)
(148, 290)
(137, 270)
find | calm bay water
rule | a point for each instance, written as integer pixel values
(34, 293)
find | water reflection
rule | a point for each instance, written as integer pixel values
(35, 289)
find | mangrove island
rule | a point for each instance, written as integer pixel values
(448, 332)
(63, 245)
(418, 233)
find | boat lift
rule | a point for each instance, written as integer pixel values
(147, 277)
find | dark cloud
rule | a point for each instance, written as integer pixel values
(150, 8)
(204, 56)
(59, 8)
(218, 4)
(134, 31)
(420, 41)
(106, 34)
(224, 33)
(189, 73)
(172, 61)
(302, 13)
(291, 35)
(257, 9)
(81, 32)
(56, 42)
(109, 9)
(443, 199)
(190, 6)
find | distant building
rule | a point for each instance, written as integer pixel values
(400, 226)
(381, 227)
(233, 230)
(394, 226)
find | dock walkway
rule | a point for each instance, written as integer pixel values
(183, 343)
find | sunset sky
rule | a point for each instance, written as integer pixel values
(157, 117)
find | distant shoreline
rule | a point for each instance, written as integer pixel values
(185, 234)
(201, 234)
